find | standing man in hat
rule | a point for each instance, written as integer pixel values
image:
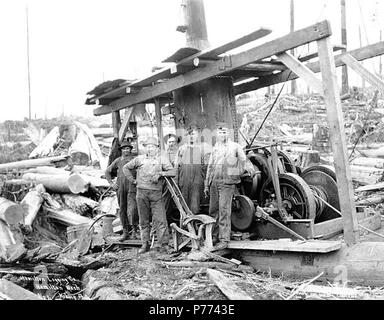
(225, 167)
(150, 167)
(190, 164)
(126, 192)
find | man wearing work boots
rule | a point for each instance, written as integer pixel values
(225, 166)
(126, 192)
(150, 168)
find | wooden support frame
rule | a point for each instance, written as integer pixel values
(364, 53)
(116, 123)
(124, 126)
(292, 40)
(159, 125)
(301, 70)
(356, 66)
(339, 146)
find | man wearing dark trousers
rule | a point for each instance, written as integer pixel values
(150, 168)
(225, 167)
(189, 165)
(126, 192)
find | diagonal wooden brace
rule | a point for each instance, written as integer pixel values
(356, 66)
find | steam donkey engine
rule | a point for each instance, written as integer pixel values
(282, 199)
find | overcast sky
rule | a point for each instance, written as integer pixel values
(76, 44)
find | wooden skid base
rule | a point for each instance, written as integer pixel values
(361, 264)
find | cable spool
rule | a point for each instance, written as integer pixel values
(322, 181)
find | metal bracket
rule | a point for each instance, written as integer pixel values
(225, 62)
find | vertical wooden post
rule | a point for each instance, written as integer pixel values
(196, 32)
(159, 125)
(339, 147)
(380, 61)
(292, 28)
(345, 86)
(116, 123)
(362, 62)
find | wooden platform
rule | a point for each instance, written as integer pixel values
(313, 246)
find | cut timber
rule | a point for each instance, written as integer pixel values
(79, 183)
(31, 163)
(46, 146)
(318, 246)
(368, 162)
(374, 80)
(364, 53)
(57, 183)
(32, 203)
(11, 291)
(6, 239)
(226, 286)
(360, 264)
(290, 41)
(302, 71)
(366, 175)
(80, 149)
(371, 187)
(10, 212)
(94, 149)
(68, 217)
(47, 170)
(338, 140)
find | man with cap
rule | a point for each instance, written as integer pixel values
(190, 163)
(126, 192)
(225, 167)
(150, 168)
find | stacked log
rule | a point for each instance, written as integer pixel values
(10, 212)
(31, 204)
(56, 183)
(31, 163)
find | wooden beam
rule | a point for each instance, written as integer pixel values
(116, 123)
(292, 40)
(124, 126)
(360, 54)
(301, 70)
(159, 123)
(363, 72)
(226, 286)
(339, 146)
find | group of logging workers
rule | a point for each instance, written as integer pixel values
(196, 167)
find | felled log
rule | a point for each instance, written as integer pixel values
(109, 205)
(80, 149)
(95, 152)
(368, 162)
(373, 153)
(11, 291)
(366, 175)
(46, 146)
(79, 183)
(82, 205)
(57, 183)
(6, 239)
(371, 200)
(47, 170)
(31, 163)
(31, 204)
(102, 132)
(11, 212)
(68, 217)
(207, 264)
(371, 187)
(89, 171)
(226, 286)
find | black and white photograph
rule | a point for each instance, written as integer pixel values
(187, 156)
